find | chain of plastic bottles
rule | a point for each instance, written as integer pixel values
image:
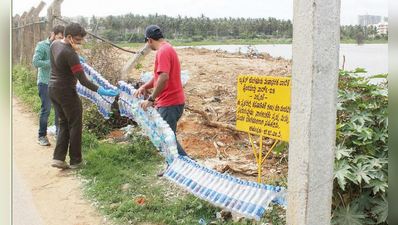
(158, 130)
(103, 102)
(246, 198)
(146, 76)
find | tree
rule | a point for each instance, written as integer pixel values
(359, 38)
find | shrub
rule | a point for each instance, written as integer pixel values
(361, 166)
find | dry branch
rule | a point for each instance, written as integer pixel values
(206, 121)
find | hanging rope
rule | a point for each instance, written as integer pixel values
(95, 36)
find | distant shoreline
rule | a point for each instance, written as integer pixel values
(244, 42)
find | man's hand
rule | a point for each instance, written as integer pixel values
(140, 92)
(145, 104)
(81, 59)
(102, 91)
(52, 36)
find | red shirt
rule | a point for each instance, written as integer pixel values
(167, 61)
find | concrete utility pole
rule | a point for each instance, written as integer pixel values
(133, 62)
(316, 41)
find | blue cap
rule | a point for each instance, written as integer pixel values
(154, 32)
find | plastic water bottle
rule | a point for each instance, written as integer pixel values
(205, 176)
(232, 194)
(184, 77)
(225, 191)
(254, 201)
(261, 204)
(241, 196)
(248, 198)
(217, 187)
(206, 184)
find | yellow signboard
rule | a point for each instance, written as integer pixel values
(263, 106)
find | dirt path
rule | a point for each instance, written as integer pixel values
(55, 193)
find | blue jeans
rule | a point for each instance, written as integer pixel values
(171, 114)
(45, 110)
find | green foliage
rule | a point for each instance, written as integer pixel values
(349, 216)
(116, 175)
(361, 166)
(24, 85)
(111, 35)
(109, 167)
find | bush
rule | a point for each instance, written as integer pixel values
(134, 38)
(109, 34)
(197, 38)
(361, 166)
(25, 86)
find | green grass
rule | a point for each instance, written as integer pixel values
(352, 41)
(110, 167)
(24, 85)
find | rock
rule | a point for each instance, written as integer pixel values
(125, 187)
(219, 143)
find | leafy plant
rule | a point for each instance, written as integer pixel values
(361, 166)
(24, 85)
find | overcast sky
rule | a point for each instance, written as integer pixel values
(280, 9)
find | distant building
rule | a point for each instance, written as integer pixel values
(385, 19)
(366, 20)
(381, 28)
(75, 19)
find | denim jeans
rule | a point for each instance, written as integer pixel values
(45, 110)
(171, 114)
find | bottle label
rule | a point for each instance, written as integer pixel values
(208, 192)
(260, 212)
(193, 185)
(251, 208)
(223, 198)
(198, 188)
(181, 179)
(228, 201)
(213, 194)
(244, 207)
(203, 190)
(239, 204)
(188, 182)
(217, 197)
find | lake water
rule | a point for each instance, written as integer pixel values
(372, 57)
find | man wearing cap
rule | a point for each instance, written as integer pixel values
(168, 94)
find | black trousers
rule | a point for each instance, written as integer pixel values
(68, 107)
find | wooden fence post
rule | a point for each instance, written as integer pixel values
(57, 11)
(37, 32)
(21, 30)
(15, 40)
(53, 10)
(50, 19)
(28, 52)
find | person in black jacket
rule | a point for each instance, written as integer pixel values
(65, 71)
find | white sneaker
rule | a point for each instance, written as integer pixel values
(43, 141)
(60, 164)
